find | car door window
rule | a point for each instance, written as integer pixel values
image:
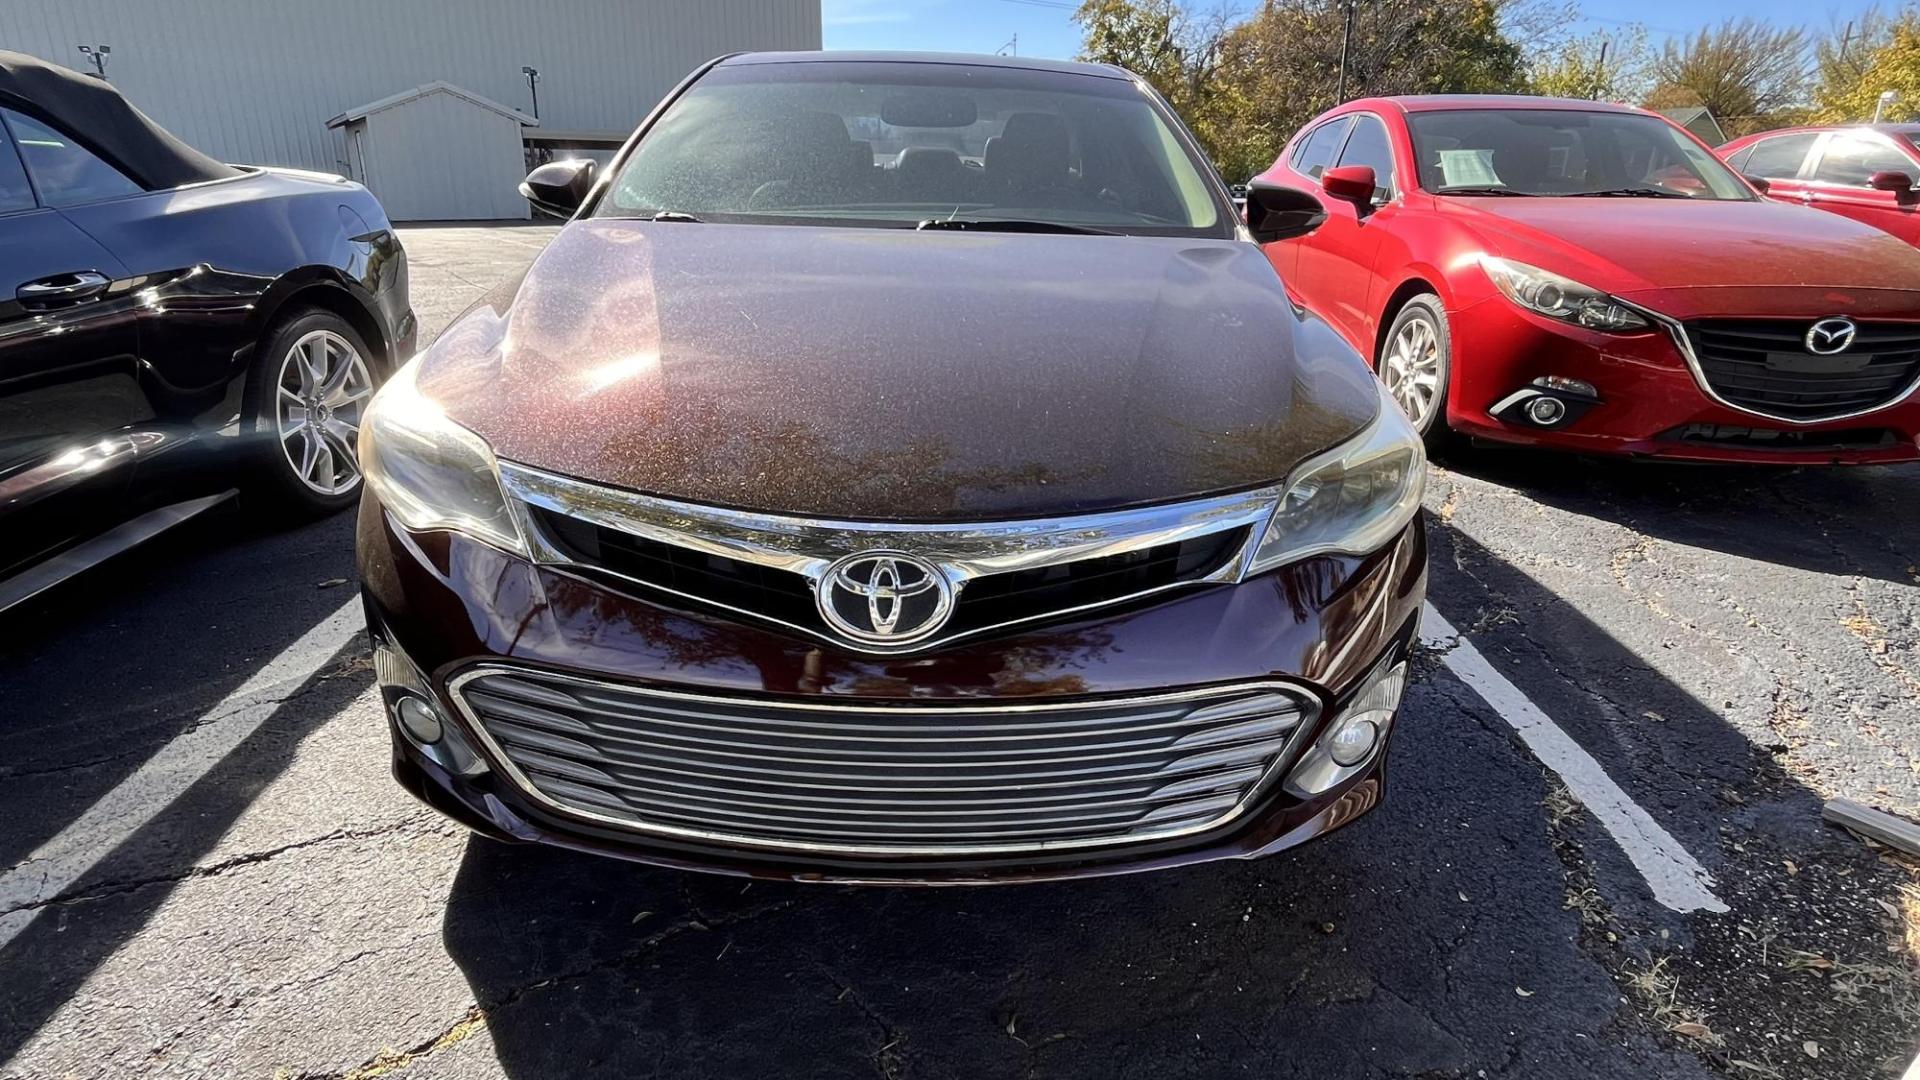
(1850, 160)
(1317, 149)
(1780, 157)
(1368, 145)
(15, 192)
(66, 173)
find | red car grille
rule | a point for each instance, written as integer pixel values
(1764, 365)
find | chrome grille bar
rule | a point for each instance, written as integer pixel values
(880, 778)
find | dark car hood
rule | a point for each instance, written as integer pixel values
(884, 373)
(1656, 251)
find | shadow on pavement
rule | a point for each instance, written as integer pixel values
(1433, 937)
(1840, 515)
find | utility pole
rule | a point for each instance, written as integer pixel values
(97, 54)
(1600, 70)
(1346, 46)
(533, 87)
(1011, 48)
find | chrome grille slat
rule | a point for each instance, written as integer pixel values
(885, 777)
(1731, 358)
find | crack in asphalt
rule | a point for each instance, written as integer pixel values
(107, 889)
(887, 1063)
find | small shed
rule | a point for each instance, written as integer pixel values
(1699, 120)
(438, 152)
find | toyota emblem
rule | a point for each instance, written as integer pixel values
(1829, 337)
(884, 597)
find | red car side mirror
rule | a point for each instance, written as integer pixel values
(1891, 180)
(1355, 183)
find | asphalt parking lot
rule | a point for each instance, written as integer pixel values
(1601, 854)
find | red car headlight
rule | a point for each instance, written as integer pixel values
(1545, 293)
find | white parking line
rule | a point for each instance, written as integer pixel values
(55, 865)
(1677, 879)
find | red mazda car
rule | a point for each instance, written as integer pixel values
(1865, 173)
(1591, 277)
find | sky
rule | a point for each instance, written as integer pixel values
(1046, 28)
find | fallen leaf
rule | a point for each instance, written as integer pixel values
(1692, 1029)
(1523, 991)
(1016, 1016)
(1812, 1048)
(1792, 867)
(640, 916)
(1654, 716)
(331, 582)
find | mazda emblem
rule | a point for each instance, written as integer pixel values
(1829, 337)
(884, 597)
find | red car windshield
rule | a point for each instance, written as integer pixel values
(1548, 152)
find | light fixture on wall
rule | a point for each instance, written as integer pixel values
(98, 55)
(533, 87)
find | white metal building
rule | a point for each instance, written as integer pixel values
(256, 81)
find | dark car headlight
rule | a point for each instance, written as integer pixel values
(429, 472)
(1546, 293)
(1351, 500)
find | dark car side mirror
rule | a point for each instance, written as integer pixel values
(1355, 183)
(1891, 180)
(557, 188)
(1278, 212)
(1760, 183)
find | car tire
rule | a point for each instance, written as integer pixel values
(313, 376)
(1416, 364)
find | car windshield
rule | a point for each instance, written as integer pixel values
(1565, 153)
(901, 144)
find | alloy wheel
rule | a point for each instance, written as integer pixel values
(1411, 369)
(322, 394)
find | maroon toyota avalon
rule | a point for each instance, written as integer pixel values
(898, 469)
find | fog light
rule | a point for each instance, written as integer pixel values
(1355, 736)
(419, 720)
(1546, 410)
(1353, 742)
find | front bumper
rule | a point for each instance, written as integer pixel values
(1650, 403)
(449, 604)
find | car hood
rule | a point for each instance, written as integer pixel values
(895, 374)
(1690, 258)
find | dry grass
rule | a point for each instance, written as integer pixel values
(1659, 990)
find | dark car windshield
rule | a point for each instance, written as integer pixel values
(897, 144)
(1564, 152)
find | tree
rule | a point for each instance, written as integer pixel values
(1748, 74)
(1874, 53)
(1598, 67)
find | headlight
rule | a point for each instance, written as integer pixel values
(429, 472)
(1560, 298)
(1351, 500)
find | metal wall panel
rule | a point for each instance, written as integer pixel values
(254, 81)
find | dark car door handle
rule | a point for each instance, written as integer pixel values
(62, 289)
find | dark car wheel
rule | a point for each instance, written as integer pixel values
(1416, 357)
(312, 378)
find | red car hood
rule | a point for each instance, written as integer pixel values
(889, 373)
(1690, 258)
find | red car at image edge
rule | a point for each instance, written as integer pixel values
(1591, 277)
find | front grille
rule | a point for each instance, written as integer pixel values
(887, 779)
(1764, 365)
(1753, 438)
(987, 601)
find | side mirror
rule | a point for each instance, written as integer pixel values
(557, 188)
(1355, 183)
(1278, 212)
(1891, 180)
(1760, 183)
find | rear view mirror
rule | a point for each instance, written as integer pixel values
(1891, 180)
(929, 107)
(1277, 212)
(557, 188)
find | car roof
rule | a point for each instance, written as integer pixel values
(1064, 67)
(1444, 102)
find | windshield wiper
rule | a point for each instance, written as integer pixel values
(1010, 225)
(1629, 193)
(673, 215)
(1473, 189)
